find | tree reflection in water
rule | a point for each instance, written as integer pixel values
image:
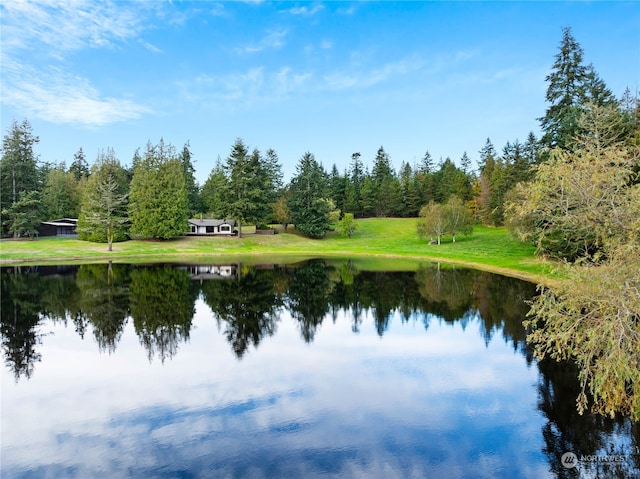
(248, 304)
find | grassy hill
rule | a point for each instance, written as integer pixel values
(487, 248)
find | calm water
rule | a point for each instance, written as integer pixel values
(299, 371)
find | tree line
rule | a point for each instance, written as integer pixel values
(154, 197)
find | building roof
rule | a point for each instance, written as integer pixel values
(210, 222)
(62, 222)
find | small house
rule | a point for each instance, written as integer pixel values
(62, 227)
(208, 226)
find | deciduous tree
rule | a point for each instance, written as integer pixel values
(432, 221)
(458, 217)
(106, 166)
(106, 211)
(348, 226)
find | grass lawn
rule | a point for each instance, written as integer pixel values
(491, 249)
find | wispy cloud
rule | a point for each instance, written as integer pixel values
(246, 89)
(54, 95)
(326, 44)
(260, 85)
(272, 40)
(306, 10)
(364, 78)
(38, 36)
(56, 27)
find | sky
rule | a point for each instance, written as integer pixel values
(330, 78)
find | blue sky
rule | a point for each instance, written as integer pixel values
(331, 78)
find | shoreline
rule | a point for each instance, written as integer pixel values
(147, 258)
(487, 249)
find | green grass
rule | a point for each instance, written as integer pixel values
(491, 249)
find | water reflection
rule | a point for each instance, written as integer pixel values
(248, 304)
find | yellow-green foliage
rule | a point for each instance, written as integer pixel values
(594, 319)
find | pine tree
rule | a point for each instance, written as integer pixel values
(337, 188)
(250, 186)
(62, 193)
(357, 177)
(18, 167)
(79, 166)
(571, 85)
(382, 176)
(308, 201)
(215, 192)
(193, 190)
(25, 215)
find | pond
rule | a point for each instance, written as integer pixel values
(311, 369)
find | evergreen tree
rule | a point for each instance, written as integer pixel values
(465, 163)
(386, 196)
(367, 197)
(411, 198)
(445, 180)
(273, 170)
(337, 188)
(215, 192)
(250, 194)
(62, 194)
(18, 167)
(357, 177)
(531, 149)
(25, 215)
(571, 85)
(308, 198)
(488, 152)
(425, 180)
(488, 183)
(79, 166)
(158, 198)
(193, 190)
(270, 176)
(596, 90)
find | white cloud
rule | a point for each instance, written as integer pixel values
(272, 40)
(59, 97)
(306, 11)
(152, 48)
(55, 27)
(371, 77)
(326, 44)
(240, 90)
(37, 37)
